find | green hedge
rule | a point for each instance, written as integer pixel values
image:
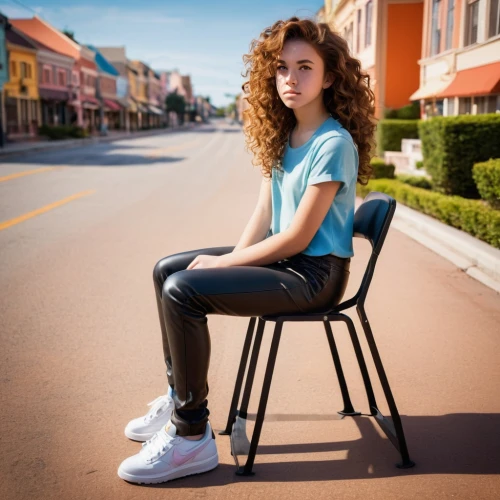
(415, 181)
(60, 132)
(408, 112)
(381, 169)
(452, 145)
(487, 178)
(390, 133)
(471, 216)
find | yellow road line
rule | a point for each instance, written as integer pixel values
(26, 172)
(42, 210)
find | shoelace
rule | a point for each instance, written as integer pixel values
(156, 406)
(157, 445)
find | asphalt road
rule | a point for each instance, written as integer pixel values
(81, 348)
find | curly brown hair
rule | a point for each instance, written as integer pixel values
(350, 100)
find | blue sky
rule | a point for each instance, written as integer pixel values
(205, 39)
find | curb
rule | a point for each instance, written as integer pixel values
(473, 256)
(67, 144)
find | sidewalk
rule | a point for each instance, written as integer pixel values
(25, 147)
(473, 256)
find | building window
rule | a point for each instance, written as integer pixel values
(25, 70)
(482, 103)
(449, 23)
(13, 69)
(486, 104)
(494, 18)
(46, 75)
(349, 35)
(465, 106)
(368, 21)
(358, 31)
(435, 28)
(451, 106)
(472, 22)
(61, 78)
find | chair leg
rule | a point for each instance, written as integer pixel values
(242, 412)
(247, 469)
(361, 362)
(394, 429)
(348, 408)
(239, 378)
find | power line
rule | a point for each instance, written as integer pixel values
(25, 6)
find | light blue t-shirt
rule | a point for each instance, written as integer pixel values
(329, 155)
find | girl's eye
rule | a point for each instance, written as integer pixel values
(279, 68)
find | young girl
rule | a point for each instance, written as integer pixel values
(310, 126)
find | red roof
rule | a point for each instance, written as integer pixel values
(481, 80)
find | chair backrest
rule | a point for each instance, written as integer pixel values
(373, 218)
(371, 222)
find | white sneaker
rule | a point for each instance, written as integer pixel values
(167, 456)
(144, 428)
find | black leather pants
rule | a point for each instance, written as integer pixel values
(300, 283)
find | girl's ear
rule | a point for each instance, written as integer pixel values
(328, 80)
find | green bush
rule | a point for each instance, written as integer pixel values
(471, 216)
(415, 181)
(382, 170)
(391, 114)
(408, 112)
(390, 133)
(419, 164)
(452, 145)
(59, 132)
(487, 178)
(79, 132)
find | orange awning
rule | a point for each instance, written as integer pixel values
(481, 80)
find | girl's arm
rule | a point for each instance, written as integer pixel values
(312, 209)
(260, 222)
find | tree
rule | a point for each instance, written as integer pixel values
(176, 103)
(70, 34)
(231, 110)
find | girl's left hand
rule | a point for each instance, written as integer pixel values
(205, 262)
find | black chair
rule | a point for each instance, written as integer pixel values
(371, 221)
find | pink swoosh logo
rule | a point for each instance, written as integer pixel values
(181, 459)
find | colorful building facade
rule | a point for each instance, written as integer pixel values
(4, 72)
(54, 75)
(82, 87)
(22, 106)
(107, 92)
(126, 85)
(460, 58)
(386, 36)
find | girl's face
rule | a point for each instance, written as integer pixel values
(300, 74)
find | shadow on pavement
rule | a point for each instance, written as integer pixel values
(114, 160)
(98, 155)
(461, 443)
